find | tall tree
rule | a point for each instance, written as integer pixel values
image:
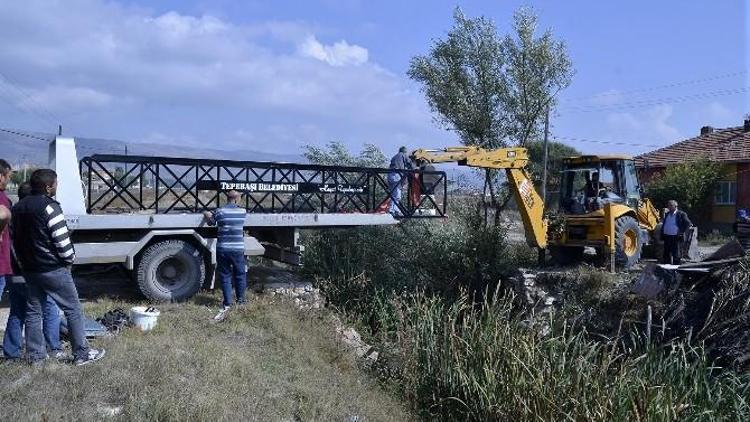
(493, 91)
(336, 153)
(556, 151)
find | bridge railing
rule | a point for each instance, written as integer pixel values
(161, 185)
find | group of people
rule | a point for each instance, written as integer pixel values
(36, 255)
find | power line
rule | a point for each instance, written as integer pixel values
(45, 113)
(656, 88)
(25, 135)
(656, 101)
(593, 141)
(9, 98)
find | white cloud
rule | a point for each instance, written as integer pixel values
(719, 115)
(651, 126)
(339, 54)
(176, 74)
(61, 98)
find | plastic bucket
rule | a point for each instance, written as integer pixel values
(142, 319)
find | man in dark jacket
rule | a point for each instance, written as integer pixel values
(397, 179)
(45, 253)
(675, 224)
(17, 297)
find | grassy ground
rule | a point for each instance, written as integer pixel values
(267, 362)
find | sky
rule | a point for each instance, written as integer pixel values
(276, 76)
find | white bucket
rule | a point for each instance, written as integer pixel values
(142, 319)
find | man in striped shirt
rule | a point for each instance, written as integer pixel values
(45, 255)
(230, 250)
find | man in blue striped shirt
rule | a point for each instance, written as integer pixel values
(230, 250)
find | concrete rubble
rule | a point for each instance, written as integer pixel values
(302, 293)
(305, 296)
(353, 341)
(540, 299)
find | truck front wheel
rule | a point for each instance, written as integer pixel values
(170, 271)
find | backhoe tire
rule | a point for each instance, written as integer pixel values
(566, 255)
(170, 271)
(628, 242)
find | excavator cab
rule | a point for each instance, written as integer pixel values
(589, 182)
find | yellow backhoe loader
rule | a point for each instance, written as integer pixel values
(600, 202)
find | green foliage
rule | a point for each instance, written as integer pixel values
(556, 151)
(21, 175)
(356, 268)
(489, 89)
(336, 154)
(691, 184)
(463, 364)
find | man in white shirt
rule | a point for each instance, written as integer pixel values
(676, 223)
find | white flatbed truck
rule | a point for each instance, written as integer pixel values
(153, 225)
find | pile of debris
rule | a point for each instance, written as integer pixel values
(302, 293)
(706, 302)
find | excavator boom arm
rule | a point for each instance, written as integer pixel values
(513, 161)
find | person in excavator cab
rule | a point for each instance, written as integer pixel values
(591, 191)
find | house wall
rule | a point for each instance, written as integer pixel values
(722, 216)
(743, 185)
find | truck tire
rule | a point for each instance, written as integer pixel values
(628, 242)
(566, 255)
(170, 271)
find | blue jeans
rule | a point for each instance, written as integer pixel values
(59, 285)
(13, 340)
(2, 285)
(394, 190)
(232, 270)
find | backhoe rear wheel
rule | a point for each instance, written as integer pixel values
(628, 242)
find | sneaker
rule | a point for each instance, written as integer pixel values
(94, 355)
(222, 315)
(60, 355)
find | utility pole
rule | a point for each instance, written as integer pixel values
(59, 130)
(546, 153)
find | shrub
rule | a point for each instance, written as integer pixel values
(462, 364)
(691, 184)
(358, 267)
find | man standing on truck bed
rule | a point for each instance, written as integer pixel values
(397, 179)
(230, 250)
(45, 254)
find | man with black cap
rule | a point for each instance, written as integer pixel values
(397, 179)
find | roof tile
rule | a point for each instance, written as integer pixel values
(729, 145)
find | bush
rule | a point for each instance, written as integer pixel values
(461, 364)
(359, 268)
(691, 184)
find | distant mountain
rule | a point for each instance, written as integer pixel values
(20, 149)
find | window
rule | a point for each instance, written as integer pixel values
(726, 193)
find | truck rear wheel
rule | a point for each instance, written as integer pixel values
(170, 271)
(628, 242)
